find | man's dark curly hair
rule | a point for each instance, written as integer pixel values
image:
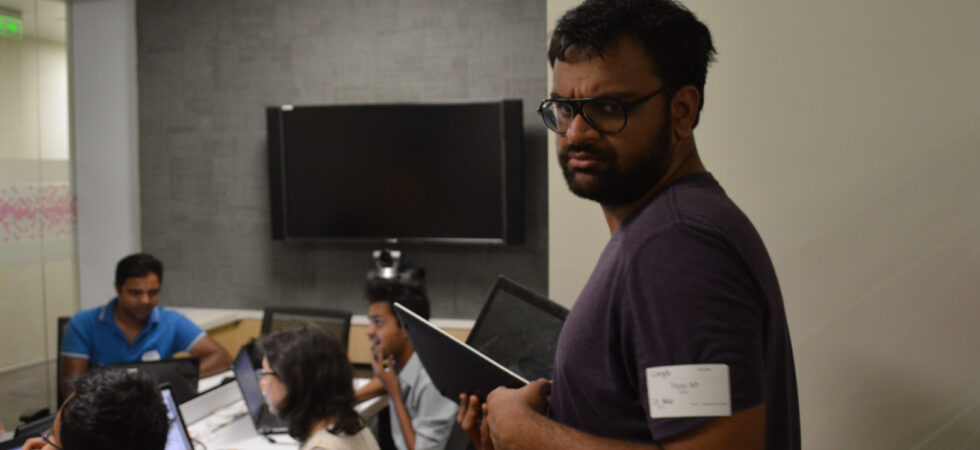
(138, 265)
(409, 291)
(318, 377)
(114, 409)
(675, 40)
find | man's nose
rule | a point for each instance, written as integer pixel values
(579, 131)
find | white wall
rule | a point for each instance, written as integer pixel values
(848, 132)
(105, 134)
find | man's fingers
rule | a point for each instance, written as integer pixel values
(485, 442)
(468, 418)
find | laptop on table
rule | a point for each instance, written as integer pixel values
(177, 437)
(181, 373)
(245, 373)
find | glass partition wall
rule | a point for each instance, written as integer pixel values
(38, 273)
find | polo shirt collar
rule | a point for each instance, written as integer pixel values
(108, 308)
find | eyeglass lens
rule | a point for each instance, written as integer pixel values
(605, 115)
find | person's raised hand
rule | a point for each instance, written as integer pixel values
(383, 367)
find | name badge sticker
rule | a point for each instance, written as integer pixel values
(689, 390)
(150, 355)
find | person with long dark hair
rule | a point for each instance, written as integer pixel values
(307, 379)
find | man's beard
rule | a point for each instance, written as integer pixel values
(614, 187)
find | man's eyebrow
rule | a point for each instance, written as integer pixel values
(617, 95)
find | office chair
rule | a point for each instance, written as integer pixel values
(62, 328)
(335, 322)
(38, 414)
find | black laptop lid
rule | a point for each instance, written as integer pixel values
(453, 366)
(519, 329)
(181, 373)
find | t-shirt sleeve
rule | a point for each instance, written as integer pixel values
(77, 341)
(689, 299)
(435, 418)
(186, 334)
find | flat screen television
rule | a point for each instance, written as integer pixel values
(402, 172)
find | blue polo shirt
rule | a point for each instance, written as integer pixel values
(94, 336)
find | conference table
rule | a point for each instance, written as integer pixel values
(219, 419)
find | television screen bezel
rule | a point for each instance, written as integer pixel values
(511, 151)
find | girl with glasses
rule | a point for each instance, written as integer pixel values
(307, 379)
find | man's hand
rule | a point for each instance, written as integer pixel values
(470, 420)
(34, 444)
(507, 410)
(383, 367)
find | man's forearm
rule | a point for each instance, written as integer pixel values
(404, 421)
(370, 390)
(215, 363)
(530, 430)
(523, 428)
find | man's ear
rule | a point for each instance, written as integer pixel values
(684, 109)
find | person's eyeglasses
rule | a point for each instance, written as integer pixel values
(46, 437)
(604, 114)
(259, 373)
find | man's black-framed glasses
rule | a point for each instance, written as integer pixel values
(46, 437)
(604, 114)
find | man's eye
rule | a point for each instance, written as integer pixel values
(564, 110)
(606, 108)
(154, 292)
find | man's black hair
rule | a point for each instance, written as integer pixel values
(409, 291)
(138, 265)
(675, 40)
(114, 409)
(319, 379)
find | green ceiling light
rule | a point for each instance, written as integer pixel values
(11, 27)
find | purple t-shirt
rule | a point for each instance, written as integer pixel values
(685, 280)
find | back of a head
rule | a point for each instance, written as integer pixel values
(113, 409)
(677, 42)
(407, 290)
(319, 379)
(138, 265)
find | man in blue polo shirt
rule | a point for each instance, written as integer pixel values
(131, 327)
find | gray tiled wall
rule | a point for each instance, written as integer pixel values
(207, 70)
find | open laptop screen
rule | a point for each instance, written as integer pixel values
(519, 329)
(177, 438)
(245, 375)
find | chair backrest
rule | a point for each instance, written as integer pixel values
(336, 322)
(62, 327)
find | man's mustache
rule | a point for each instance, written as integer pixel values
(593, 152)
